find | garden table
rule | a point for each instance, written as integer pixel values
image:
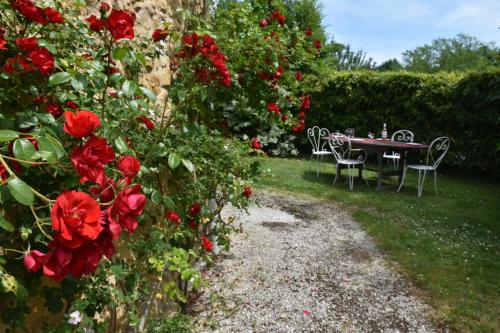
(381, 146)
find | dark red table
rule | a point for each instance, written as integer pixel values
(381, 146)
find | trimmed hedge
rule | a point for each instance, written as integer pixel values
(465, 107)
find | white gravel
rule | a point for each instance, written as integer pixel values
(304, 266)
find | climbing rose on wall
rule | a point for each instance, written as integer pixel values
(89, 160)
(129, 166)
(173, 216)
(121, 24)
(81, 124)
(206, 243)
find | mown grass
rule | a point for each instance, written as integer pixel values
(448, 244)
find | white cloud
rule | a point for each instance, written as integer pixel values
(479, 15)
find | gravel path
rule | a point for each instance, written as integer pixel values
(304, 266)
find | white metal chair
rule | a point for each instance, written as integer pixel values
(341, 149)
(314, 135)
(435, 154)
(400, 136)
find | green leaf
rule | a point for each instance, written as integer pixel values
(188, 165)
(156, 197)
(119, 53)
(151, 95)
(6, 225)
(59, 78)
(8, 135)
(10, 284)
(46, 118)
(186, 274)
(21, 191)
(173, 160)
(79, 82)
(129, 88)
(23, 149)
(121, 145)
(45, 145)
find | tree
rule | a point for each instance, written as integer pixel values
(390, 65)
(342, 57)
(460, 53)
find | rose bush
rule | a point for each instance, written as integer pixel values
(86, 153)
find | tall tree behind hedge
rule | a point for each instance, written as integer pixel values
(460, 53)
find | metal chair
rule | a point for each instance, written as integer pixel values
(400, 136)
(341, 149)
(314, 135)
(435, 154)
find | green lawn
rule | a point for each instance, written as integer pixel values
(447, 244)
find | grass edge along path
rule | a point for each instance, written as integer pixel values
(449, 244)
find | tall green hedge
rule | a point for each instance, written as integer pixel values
(465, 107)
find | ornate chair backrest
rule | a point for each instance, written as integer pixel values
(314, 135)
(402, 136)
(437, 150)
(340, 146)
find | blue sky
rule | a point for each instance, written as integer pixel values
(385, 28)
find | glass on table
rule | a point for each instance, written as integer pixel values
(371, 135)
(349, 132)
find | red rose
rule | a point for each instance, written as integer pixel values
(146, 121)
(54, 109)
(53, 16)
(256, 144)
(4, 175)
(298, 75)
(29, 10)
(309, 32)
(263, 23)
(81, 124)
(279, 17)
(284, 118)
(129, 166)
(160, 34)
(76, 216)
(84, 260)
(34, 260)
(57, 261)
(195, 209)
(273, 107)
(105, 193)
(104, 7)
(297, 128)
(306, 103)
(128, 205)
(192, 224)
(121, 24)
(72, 105)
(42, 59)
(173, 216)
(3, 44)
(317, 44)
(89, 160)
(247, 191)
(206, 243)
(28, 43)
(96, 24)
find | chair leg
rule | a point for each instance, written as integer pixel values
(421, 180)
(351, 177)
(365, 177)
(310, 161)
(435, 181)
(336, 174)
(402, 179)
(317, 165)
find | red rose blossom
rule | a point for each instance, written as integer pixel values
(54, 109)
(146, 121)
(256, 144)
(3, 44)
(81, 124)
(206, 243)
(42, 59)
(104, 7)
(279, 17)
(317, 44)
(160, 34)
(273, 107)
(96, 24)
(195, 209)
(298, 75)
(34, 260)
(89, 160)
(173, 216)
(263, 23)
(106, 193)
(18, 63)
(76, 215)
(129, 166)
(121, 24)
(53, 16)
(128, 205)
(27, 43)
(72, 105)
(306, 103)
(247, 191)
(309, 32)
(30, 11)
